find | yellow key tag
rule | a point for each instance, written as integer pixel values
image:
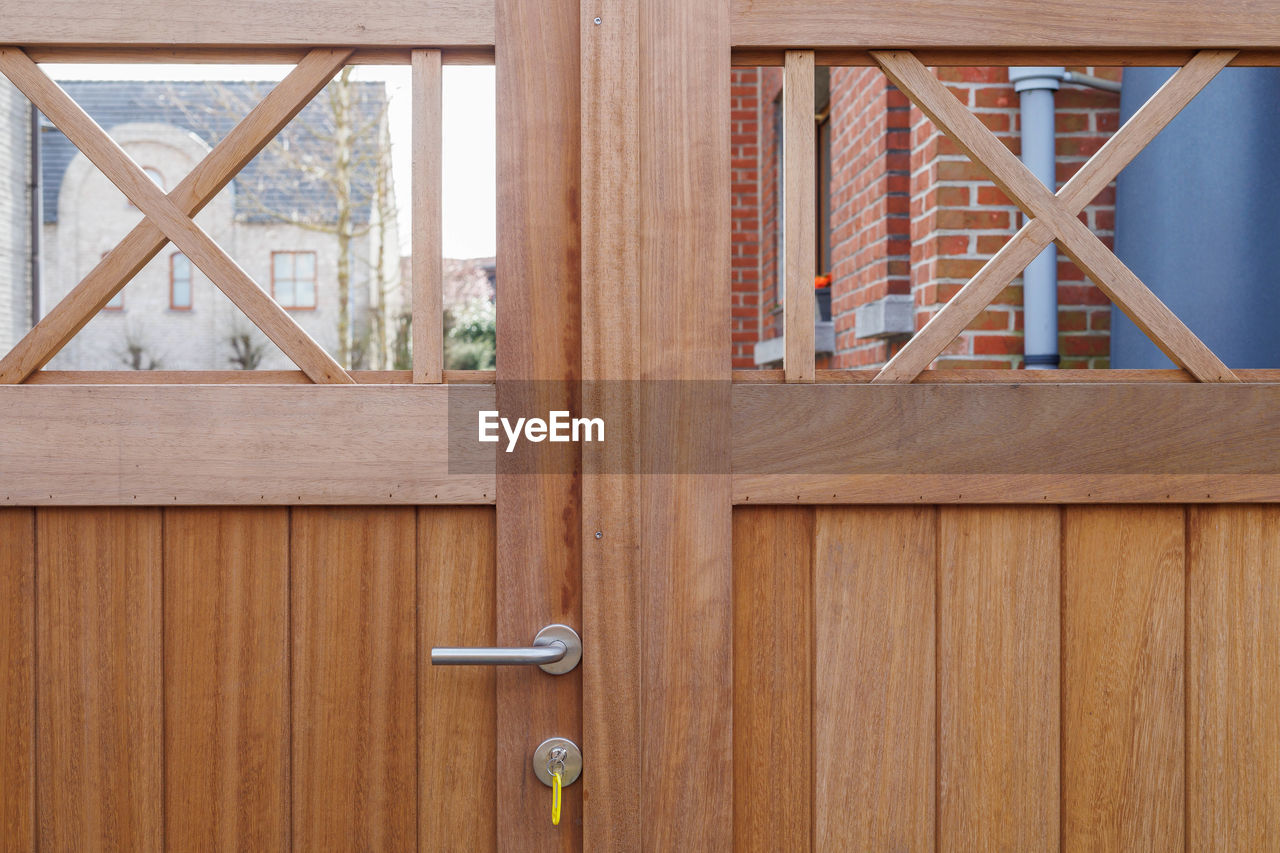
(555, 798)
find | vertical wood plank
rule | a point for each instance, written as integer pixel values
(799, 215)
(1123, 609)
(99, 722)
(612, 584)
(457, 705)
(226, 671)
(773, 677)
(426, 247)
(354, 650)
(998, 678)
(538, 363)
(17, 665)
(687, 520)
(874, 707)
(1233, 689)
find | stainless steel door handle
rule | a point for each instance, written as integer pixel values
(557, 650)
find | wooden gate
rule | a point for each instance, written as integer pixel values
(801, 629)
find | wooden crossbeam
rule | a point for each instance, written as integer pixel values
(798, 216)
(426, 253)
(1055, 217)
(1034, 236)
(172, 213)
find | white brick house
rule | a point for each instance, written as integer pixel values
(15, 216)
(170, 315)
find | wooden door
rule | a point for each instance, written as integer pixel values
(1026, 637)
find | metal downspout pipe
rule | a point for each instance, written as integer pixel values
(1036, 87)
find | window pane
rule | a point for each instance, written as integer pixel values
(305, 266)
(180, 282)
(283, 292)
(306, 294)
(117, 301)
(283, 263)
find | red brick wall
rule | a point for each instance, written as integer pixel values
(960, 219)
(744, 139)
(870, 222)
(911, 214)
(755, 310)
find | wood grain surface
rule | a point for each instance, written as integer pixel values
(220, 444)
(1123, 614)
(1233, 685)
(612, 536)
(18, 669)
(799, 215)
(686, 520)
(539, 556)
(774, 740)
(226, 678)
(354, 679)
(166, 24)
(875, 701)
(1140, 428)
(457, 705)
(1003, 24)
(998, 678)
(99, 705)
(426, 249)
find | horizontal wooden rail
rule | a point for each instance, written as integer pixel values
(1007, 25)
(199, 55)
(1002, 377)
(1149, 24)
(241, 377)
(764, 57)
(219, 444)
(1155, 440)
(1005, 443)
(279, 24)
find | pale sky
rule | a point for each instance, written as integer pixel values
(469, 185)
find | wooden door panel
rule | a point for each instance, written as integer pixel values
(1233, 696)
(773, 677)
(1123, 608)
(99, 704)
(457, 706)
(226, 678)
(1008, 677)
(18, 667)
(875, 700)
(876, 693)
(354, 679)
(998, 678)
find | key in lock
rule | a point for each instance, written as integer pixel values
(557, 762)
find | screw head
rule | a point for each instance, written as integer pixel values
(599, 534)
(597, 21)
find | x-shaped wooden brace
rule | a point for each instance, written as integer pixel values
(169, 217)
(1053, 217)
